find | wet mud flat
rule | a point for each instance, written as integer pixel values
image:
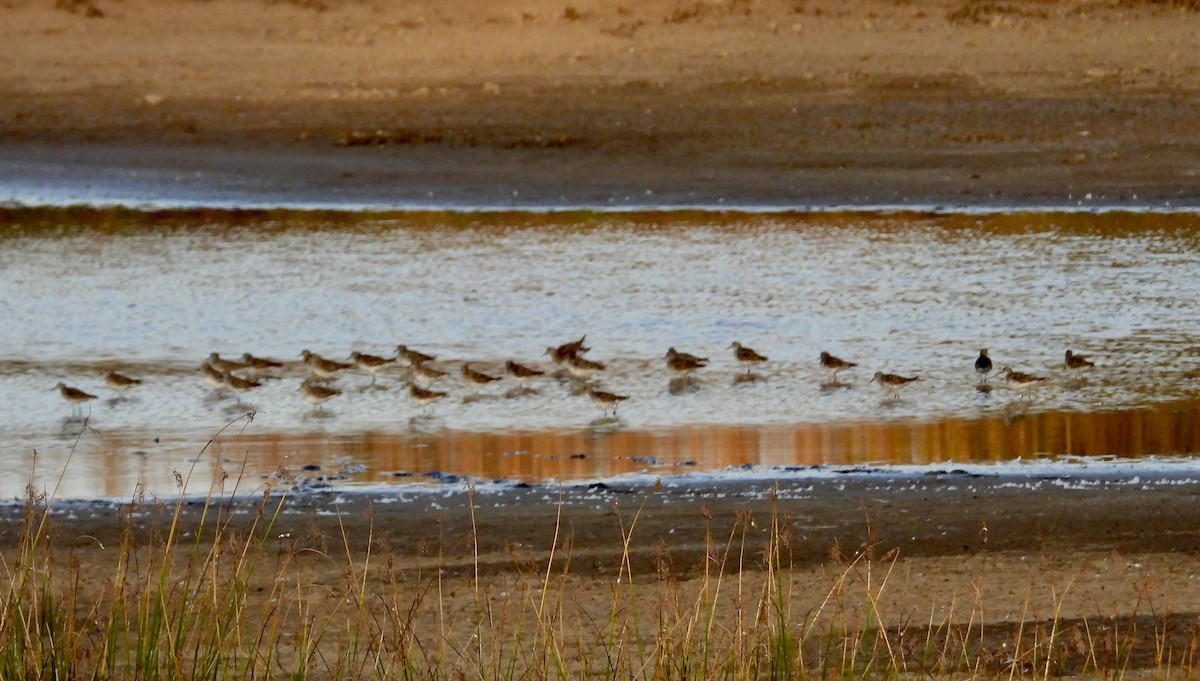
(922, 512)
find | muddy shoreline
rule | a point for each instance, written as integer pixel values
(263, 172)
(940, 512)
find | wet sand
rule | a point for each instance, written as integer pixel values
(495, 104)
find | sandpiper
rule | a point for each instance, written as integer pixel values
(238, 384)
(1021, 382)
(684, 363)
(321, 367)
(411, 357)
(120, 382)
(1076, 362)
(892, 382)
(426, 373)
(214, 378)
(606, 399)
(259, 363)
(745, 356)
(424, 397)
(983, 366)
(583, 368)
(73, 395)
(477, 378)
(315, 394)
(214, 360)
(370, 363)
(833, 365)
(521, 372)
(575, 347)
(564, 353)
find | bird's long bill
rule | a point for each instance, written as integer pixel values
(872, 380)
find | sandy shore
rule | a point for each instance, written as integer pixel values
(539, 103)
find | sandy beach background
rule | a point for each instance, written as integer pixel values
(777, 102)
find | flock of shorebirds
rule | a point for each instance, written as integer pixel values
(248, 373)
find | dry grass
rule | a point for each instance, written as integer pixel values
(218, 605)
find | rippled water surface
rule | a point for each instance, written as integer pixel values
(153, 294)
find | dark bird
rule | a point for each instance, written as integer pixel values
(684, 363)
(581, 367)
(426, 373)
(411, 357)
(892, 382)
(321, 367)
(424, 397)
(73, 395)
(746, 357)
(565, 352)
(477, 378)
(606, 399)
(833, 365)
(983, 366)
(521, 372)
(238, 384)
(1021, 382)
(223, 365)
(259, 363)
(315, 394)
(370, 363)
(1078, 362)
(214, 378)
(120, 382)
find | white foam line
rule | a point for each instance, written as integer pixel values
(34, 201)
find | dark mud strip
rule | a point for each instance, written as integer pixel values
(940, 513)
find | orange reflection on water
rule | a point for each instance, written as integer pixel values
(574, 455)
(110, 468)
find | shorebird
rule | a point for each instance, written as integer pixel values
(477, 378)
(411, 357)
(214, 378)
(1021, 382)
(745, 356)
(575, 347)
(73, 395)
(521, 372)
(564, 353)
(426, 374)
(315, 394)
(583, 368)
(683, 363)
(606, 399)
(983, 366)
(120, 382)
(424, 397)
(214, 360)
(892, 382)
(238, 384)
(321, 367)
(369, 363)
(1076, 362)
(833, 365)
(259, 363)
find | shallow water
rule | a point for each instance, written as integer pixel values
(152, 294)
